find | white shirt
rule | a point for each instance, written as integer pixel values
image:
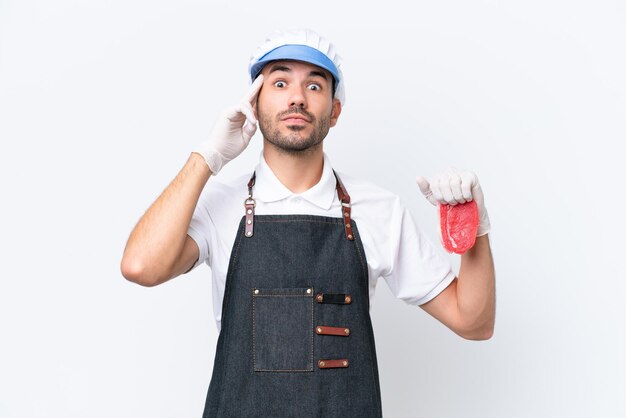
(395, 248)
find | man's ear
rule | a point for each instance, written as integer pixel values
(334, 116)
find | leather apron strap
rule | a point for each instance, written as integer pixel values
(342, 193)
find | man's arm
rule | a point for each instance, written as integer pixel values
(159, 248)
(468, 305)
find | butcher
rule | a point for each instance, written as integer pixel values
(296, 248)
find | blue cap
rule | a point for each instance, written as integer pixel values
(298, 53)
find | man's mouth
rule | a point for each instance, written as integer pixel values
(295, 120)
(298, 117)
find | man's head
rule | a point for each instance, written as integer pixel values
(300, 45)
(302, 90)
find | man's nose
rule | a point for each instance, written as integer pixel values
(297, 97)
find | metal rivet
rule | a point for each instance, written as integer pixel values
(320, 298)
(322, 364)
(348, 226)
(347, 331)
(349, 236)
(346, 214)
(249, 221)
(256, 291)
(249, 233)
(319, 330)
(249, 211)
(348, 299)
(308, 291)
(345, 363)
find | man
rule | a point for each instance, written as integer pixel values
(294, 267)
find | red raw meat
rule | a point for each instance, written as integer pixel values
(458, 224)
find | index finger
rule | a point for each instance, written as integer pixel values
(424, 186)
(255, 87)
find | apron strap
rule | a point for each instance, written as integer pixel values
(249, 204)
(342, 193)
(344, 198)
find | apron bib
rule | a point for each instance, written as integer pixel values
(296, 337)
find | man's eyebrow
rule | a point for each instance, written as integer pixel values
(318, 74)
(278, 67)
(312, 73)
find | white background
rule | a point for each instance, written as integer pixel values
(101, 102)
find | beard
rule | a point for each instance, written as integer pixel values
(293, 142)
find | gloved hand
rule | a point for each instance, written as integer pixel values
(454, 187)
(232, 131)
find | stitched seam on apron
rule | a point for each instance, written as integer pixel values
(312, 322)
(301, 220)
(358, 251)
(253, 334)
(368, 288)
(281, 296)
(228, 280)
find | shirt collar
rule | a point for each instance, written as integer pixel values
(267, 187)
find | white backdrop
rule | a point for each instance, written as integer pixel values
(101, 102)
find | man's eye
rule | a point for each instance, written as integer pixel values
(314, 86)
(279, 84)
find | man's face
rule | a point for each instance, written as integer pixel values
(295, 107)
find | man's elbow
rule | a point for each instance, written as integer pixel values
(479, 333)
(136, 272)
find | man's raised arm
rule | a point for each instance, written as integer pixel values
(159, 248)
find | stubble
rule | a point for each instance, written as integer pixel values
(294, 142)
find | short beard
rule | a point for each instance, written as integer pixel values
(293, 143)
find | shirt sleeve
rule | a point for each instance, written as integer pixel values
(419, 271)
(199, 230)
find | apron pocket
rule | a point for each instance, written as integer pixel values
(282, 330)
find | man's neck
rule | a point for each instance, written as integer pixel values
(297, 172)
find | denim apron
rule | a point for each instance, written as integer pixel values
(296, 337)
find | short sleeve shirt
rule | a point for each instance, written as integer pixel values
(396, 250)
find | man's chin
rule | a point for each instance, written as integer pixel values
(293, 145)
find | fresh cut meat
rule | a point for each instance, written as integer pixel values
(458, 226)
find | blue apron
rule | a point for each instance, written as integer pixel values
(296, 337)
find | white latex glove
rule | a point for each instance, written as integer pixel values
(232, 131)
(454, 187)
